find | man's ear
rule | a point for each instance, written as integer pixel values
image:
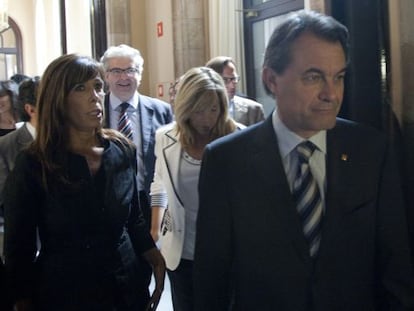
(30, 110)
(269, 78)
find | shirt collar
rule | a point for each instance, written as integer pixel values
(115, 101)
(31, 129)
(288, 140)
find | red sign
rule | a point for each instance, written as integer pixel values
(160, 30)
(160, 90)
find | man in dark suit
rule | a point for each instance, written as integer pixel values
(242, 109)
(12, 143)
(10, 146)
(124, 66)
(303, 211)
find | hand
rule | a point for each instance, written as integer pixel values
(155, 259)
(23, 305)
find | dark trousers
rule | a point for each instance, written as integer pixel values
(145, 268)
(5, 299)
(181, 280)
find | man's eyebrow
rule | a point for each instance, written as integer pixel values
(319, 71)
(313, 70)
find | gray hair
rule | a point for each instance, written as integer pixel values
(124, 51)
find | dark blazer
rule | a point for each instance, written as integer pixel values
(89, 232)
(249, 237)
(10, 145)
(153, 114)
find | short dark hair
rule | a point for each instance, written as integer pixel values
(27, 95)
(19, 78)
(219, 62)
(278, 54)
(10, 88)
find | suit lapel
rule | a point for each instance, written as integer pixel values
(338, 177)
(146, 113)
(240, 109)
(106, 119)
(172, 157)
(24, 138)
(271, 176)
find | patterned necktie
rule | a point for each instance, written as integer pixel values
(308, 198)
(124, 124)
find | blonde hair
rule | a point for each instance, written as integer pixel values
(195, 84)
(123, 51)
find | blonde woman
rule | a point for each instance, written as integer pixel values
(201, 114)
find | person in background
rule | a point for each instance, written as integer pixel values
(75, 186)
(19, 78)
(124, 66)
(8, 114)
(11, 144)
(123, 73)
(241, 109)
(305, 210)
(201, 116)
(172, 91)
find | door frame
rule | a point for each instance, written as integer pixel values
(256, 13)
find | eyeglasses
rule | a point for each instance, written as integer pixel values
(234, 79)
(117, 72)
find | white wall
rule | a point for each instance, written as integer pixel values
(160, 60)
(39, 23)
(78, 27)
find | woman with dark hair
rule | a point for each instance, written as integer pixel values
(75, 188)
(8, 114)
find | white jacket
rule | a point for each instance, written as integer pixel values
(168, 152)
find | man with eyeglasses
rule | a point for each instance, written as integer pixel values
(241, 109)
(124, 66)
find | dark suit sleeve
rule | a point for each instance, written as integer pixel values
(169, 115)
(394, 253)
(21, 198)
(137, 226)
(213, 251)
(5, 150)
(4, 172)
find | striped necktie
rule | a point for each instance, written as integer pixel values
(124, 123)
(308, 198)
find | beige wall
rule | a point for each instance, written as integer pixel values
(160, 58)
(39, 24)
(402, 63)
(407, 59)
(139, 38)
(78, 27)
(157, 51)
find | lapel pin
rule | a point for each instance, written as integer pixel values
(344, 157)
